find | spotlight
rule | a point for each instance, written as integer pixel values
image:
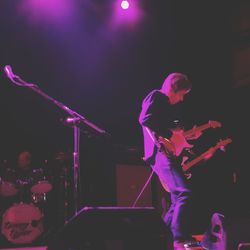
(125, 4)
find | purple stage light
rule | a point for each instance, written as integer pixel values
(125, 4)
(126, 13)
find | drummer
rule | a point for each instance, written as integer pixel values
(24, 165)
(24, 170)
(15, 178)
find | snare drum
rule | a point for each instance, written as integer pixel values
(40, 183)
(22, 223)
(8, 183)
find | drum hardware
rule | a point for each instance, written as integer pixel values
(8, 183)
(39, 198)
(22, 182)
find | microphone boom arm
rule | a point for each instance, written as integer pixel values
(36, 89)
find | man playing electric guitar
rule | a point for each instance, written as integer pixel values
(162, 150)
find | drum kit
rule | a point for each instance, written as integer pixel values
(23, 220)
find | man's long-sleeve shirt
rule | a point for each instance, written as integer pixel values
(159, 116)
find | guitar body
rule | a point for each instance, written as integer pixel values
(178, 141)
(176, 144)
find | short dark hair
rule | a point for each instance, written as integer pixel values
(176, 82)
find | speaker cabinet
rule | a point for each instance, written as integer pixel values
(112, 228)
(227, 233)
(129, 181)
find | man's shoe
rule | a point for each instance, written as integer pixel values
(188, 245)
(193, 245)
(179, 245)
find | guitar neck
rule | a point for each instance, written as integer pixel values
(199, 128)
(187, 166)
(206, 155)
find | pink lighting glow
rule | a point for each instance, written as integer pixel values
(47, 10)
(126, 13)
(125, 4)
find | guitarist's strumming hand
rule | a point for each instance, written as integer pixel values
(175, 144)
(167, 146)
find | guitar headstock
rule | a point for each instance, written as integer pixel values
(214, 124)
(224, 142)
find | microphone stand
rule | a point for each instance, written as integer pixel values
(74, 119)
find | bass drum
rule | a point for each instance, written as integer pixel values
(22, 223)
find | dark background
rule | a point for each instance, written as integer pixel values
(103, 73)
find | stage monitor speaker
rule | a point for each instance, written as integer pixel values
(25, 248)
(113, 228)
(227, 233)
(244, 246)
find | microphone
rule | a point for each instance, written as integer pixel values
(8, 71)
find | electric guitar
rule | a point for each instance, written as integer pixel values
(178, 141)
(206, 155)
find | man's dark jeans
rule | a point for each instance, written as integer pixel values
(178, 216)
